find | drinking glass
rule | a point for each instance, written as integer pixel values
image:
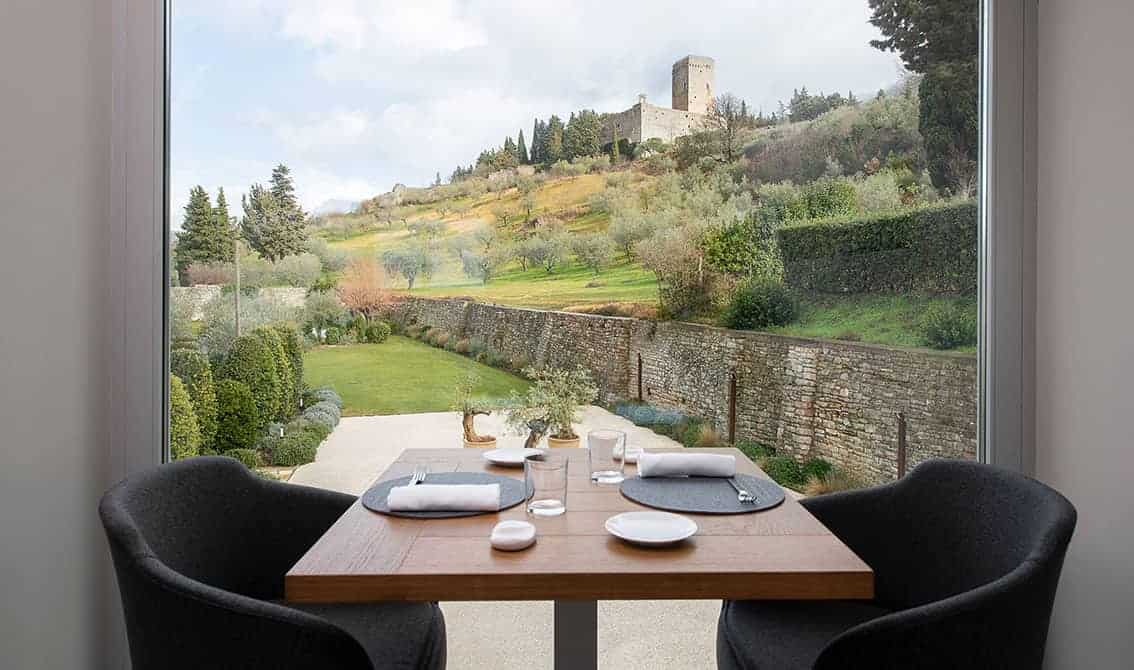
(606, 453)
(545, 483)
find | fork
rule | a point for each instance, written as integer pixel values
(418, 475)
(742, 496)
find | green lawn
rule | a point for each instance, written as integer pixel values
(877, 318)
(568, 285)
(400, 376)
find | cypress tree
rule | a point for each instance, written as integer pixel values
(553, 142)
(202, 239)
(537, 143)
(273, 222)
(225, 226)
(510, 147)
(615, 150)
(522, 149)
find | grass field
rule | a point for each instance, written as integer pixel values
(400, 376)
(880, 319)
(568, 285)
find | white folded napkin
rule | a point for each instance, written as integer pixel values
(684, 464)
(444, 498)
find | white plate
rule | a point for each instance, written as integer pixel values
(512, 457)
(651, 528)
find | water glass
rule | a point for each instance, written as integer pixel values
(606, 453)
(545, 483)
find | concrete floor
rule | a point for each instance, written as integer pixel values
(638, 635)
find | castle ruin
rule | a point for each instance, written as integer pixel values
(693, 80)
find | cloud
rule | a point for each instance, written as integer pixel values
(356, 95)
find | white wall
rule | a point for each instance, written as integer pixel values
(55, 99)
(1085, 318)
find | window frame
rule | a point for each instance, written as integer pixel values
(137, 412)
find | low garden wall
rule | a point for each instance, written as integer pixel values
(807, 398)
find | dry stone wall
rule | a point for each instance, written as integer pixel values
(835, 400)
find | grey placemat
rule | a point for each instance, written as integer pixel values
(702, 495)
(511, 492)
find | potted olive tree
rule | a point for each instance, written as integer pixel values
(551, 405)
(470, 407)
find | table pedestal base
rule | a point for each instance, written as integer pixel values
(576, 635)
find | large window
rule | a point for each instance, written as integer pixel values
(713, 225)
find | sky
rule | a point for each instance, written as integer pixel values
(357, 95)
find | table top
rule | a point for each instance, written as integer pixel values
(781, 553)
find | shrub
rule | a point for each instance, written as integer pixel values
(300, 270)
(755, 451)
(816, 467)
(192, 367)
(761, 304)
(210, 273)
(238, 421)
(837, 479)
(299, 443)
(251, 361)
(220, 322)
(323, 310)
(641, 414)
(332, 260)
(328, 407)
(931, 249)
(322, 394)
(698, 432)
(293, 347)
(462, 346)
(334, 335)
(784, 471)
(377, 332)
(184, 435)
(249, 457)
(950, 325)
(320, 417)
(441, 339)
(293, 450)
(282, 362)
(829, 197)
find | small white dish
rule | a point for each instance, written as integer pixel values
(511, 457)
(651, 529)
(512, 535)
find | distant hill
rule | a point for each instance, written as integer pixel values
(336, 206)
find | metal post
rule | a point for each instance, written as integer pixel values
(576, 635)
(732, 407)
(901, 445)
(639, 377)
(236, 253)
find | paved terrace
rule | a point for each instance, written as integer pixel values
(632, 634)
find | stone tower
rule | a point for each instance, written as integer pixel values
(693, 80)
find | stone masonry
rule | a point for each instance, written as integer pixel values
(693, 79)
(835, 400)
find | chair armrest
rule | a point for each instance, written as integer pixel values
(988, 627)
(852, 515)
(176, 622)
(295, 517)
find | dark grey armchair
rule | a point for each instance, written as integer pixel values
(201, 547)
(966, 560)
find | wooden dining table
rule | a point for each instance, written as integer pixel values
(780, 553)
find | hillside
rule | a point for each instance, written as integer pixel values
(564, 200)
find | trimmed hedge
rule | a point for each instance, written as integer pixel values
(293, 347)
(249, 457)
(282, 362)
(252, 362)
(238, 421)
(192, 367)
(184, 436)
(932, 250)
